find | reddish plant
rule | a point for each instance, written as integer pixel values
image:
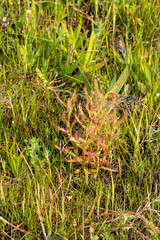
(93, 129)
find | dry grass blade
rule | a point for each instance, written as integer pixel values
(121, 213)
(19, 229)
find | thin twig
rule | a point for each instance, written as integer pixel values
(1, 218)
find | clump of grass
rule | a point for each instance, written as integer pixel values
(93, 130)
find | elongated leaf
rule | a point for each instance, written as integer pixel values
(112, 83)
(74, 65)
(85, 80)
(121, 80)
(137, 47)
(90, 48)
(78, 30)
(57, 56)
(148, 73)
(142, 87)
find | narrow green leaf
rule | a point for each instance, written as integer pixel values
(85, 80)
(112, 83)
(137, 47)
(116, 54)
(57, 56)
(74, 65)
(90, 48)
(148, 73)
(121, 80)
(142, 87)
(78, 30)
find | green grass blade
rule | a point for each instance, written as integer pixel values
(74, 65)
(112, 83)
(121, 80)
(85, 80)
(148, 74)
(90, 48)
(138, 46)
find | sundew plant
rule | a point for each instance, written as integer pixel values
(93, 131)
(79, 119)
